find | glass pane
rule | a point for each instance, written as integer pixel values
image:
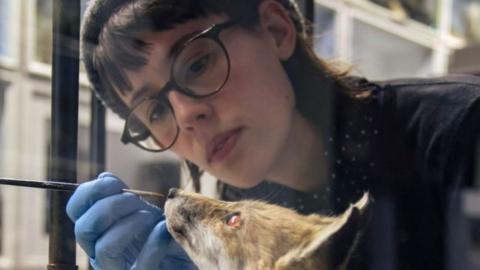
(466, 19)
(142, 170)
(3, 27)
(423, 11)
(381, 55)
(8, 23)
(324, 32)
(43, 31)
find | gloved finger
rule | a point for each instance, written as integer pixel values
(177, 258)
(155, 249)
(119, 247)
(104, 214)
(88, 193)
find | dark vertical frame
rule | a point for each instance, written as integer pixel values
(309, 10)
(3, 88)
(97, 137)
(63, 156)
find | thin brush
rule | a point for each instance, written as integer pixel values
(64, 186)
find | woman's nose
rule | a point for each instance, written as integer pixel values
(189, 112)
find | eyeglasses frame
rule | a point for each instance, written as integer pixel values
(213, 33)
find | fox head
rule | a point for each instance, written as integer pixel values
(256, 235)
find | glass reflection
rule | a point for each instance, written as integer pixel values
(381, 55)
(43, 33)
(3, 27)
(466, 20)
(324, 35)
(423, 11)
(43, 30)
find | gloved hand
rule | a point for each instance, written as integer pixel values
(120, 231)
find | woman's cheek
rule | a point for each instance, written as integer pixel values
(184, 149)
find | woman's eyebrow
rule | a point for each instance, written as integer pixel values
(178, 45)
(140, 94)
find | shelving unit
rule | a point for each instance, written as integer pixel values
(380, 45)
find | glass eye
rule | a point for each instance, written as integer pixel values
(233, 220)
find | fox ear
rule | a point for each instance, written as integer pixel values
(341, 244)
(332, 246)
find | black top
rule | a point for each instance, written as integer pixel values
(411, 144)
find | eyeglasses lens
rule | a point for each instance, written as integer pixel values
(152, 116)
(202, 67)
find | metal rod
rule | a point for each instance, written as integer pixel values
(63, 159)
(64, 186)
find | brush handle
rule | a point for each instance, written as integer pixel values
(64, 186)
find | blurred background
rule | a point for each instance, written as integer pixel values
(382, 39)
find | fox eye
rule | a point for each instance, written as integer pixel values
(233, 220)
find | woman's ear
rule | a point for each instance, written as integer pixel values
(274, 19)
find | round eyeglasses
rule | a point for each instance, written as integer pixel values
(200, 69)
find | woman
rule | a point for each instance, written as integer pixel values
(233, 88)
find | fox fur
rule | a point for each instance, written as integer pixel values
(255, 235)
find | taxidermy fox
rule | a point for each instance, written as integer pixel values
(254, 235)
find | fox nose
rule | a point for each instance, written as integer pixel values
(171, 193)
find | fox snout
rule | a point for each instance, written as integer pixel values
(179, 208)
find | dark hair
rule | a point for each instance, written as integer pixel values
(110, 45)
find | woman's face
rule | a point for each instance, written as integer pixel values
(239, 134)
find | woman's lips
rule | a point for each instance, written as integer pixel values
(222, 145)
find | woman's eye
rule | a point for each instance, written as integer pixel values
(199, 66)
(157, 112)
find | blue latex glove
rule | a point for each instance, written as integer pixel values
(120, 231)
